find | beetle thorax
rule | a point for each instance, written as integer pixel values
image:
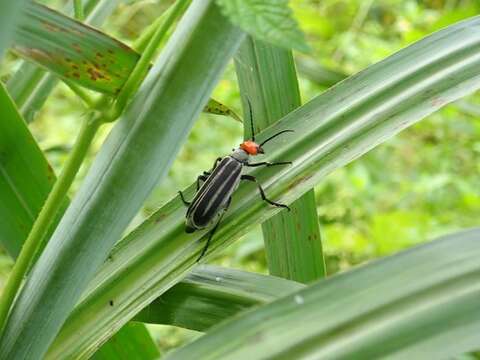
(240, 155)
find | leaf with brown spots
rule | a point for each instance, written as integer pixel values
(73, 50)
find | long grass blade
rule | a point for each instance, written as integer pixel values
(211, 294)
(381, 310)
(330, 131)
(26, 178)
(293, 244)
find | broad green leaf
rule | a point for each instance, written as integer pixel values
(136, 155)
(30, 86)
(332, 130)
(72, 50)
(26, 178)
(381, 310)
(211, 294)
(270, 20)
(266, 75)
(10, 13)
(132, 342)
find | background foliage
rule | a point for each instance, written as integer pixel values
(420, 184)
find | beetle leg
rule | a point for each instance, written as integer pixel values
(262, 192)
(185, 202)
(210, 235)
(267, 163)
(216, 163)
(201, 178)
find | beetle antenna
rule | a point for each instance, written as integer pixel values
(251, 119)
(274, 136)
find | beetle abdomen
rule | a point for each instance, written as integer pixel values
(214, 194)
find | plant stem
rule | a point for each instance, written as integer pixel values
(81, 93)
(53, 203)
(267, 77)
(136, 77)
(78, 10)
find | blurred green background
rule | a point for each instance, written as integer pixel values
(417, 186)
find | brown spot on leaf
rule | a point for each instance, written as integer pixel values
(95, 74)
(77, 75)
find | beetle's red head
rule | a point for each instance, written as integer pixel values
(251, 147)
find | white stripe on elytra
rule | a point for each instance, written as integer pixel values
(219, 192)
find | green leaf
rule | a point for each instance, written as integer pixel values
(332, 130)
(132, 342)
(266, 75)
(211, 294)
(270, 20)
(10, 13)
(136, 155)
(26, 178)
(217, 108)
(72, 50)
(30, 86)
(381, 310)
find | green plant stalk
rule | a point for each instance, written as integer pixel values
(53, 203)
(267, 78)
(82, 94)
(78, 9)
(141, 68)
(142, 42)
